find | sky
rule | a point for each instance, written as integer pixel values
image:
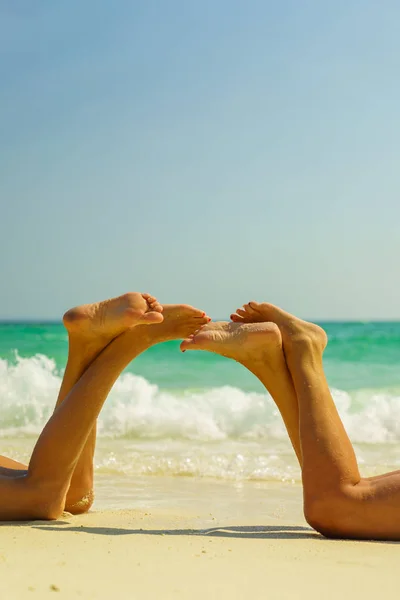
(207, 152)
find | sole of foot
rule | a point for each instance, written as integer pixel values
(243, 342)
(110, 318)
(293, 330)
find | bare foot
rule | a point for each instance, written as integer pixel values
(248, 343)
(294, 331)
(180, 320)
(108, 319)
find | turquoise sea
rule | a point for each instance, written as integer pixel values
(197, 414)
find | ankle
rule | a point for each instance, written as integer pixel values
(310, 345)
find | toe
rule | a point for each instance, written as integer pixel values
(253, 305)
(187, 343)
(269, 312)
(195, 312)
(202, 320)
(155, 305)
(190, 342)
(250, 307)
(152, 317)
(236, 318)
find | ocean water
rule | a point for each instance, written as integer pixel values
(200, 415)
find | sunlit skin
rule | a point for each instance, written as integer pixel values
(338, 502)
(103, 339)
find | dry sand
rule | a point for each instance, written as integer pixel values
(163, 554)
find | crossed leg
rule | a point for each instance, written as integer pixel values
(88, 335)
(90, 329)
(337, 501)
(67, 441)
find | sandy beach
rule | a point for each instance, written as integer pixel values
(180, 552)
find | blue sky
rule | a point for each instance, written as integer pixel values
(207, 152)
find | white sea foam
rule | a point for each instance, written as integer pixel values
(137, 409)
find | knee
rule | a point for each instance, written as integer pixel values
(43, 500)
(328, 515)
(49, 509)
(316, 513)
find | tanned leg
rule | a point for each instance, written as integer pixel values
(91, 328)
(41, 491)
(179, 321)
(257, 347)
(337, 501)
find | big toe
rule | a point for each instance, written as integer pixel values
(186, 310)
(270, 312)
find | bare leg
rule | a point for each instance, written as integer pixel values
(253, 313)
(91, 328)
(179, 321)
(259, 349)
(337, 501)
(41, 491)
